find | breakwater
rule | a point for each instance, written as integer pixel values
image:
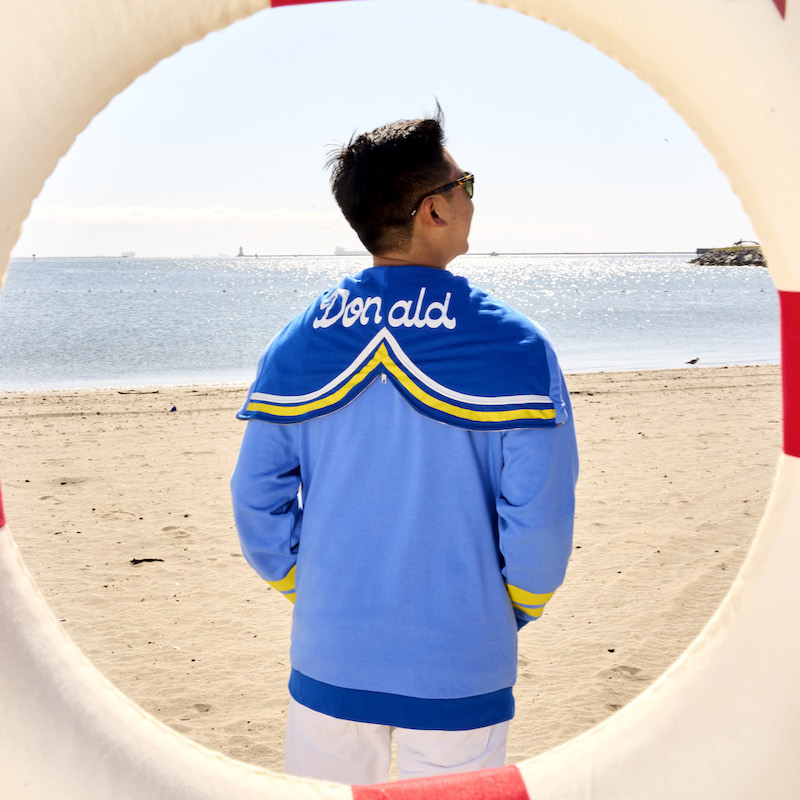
(730, 257)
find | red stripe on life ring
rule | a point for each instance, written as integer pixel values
(504, 783)
(790, 371)
(781, 4)
(2, 515)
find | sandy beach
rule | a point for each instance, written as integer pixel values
(676, 467)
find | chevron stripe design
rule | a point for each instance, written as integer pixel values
(383, 355)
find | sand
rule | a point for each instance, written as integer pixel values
(676, 469)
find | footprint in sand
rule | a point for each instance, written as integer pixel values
(623, 671)
(52, 497)
(177, 531)
(117, 513)
(70, 481)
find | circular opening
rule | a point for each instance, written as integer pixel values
(616, 674)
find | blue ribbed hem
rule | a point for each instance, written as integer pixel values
(420, 713)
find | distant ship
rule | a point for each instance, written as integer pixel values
(340, 251)
(128, 254)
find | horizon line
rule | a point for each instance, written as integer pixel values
(38, 257)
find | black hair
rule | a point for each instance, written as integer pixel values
(378, 177)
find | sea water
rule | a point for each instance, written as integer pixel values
(72, 322)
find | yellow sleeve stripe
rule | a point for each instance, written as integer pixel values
(291, 595)
(527, 598)
(285, 584)
(535, 613)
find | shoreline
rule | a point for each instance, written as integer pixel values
(676, 467)
(131, 388)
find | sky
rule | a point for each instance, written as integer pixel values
(223, 145)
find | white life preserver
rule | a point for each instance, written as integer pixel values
(724, 721)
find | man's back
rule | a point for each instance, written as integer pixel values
(411, 531)
(398, 579)
(407, 479)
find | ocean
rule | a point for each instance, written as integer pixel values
(79, 322)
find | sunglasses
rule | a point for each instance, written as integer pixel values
(467, 180)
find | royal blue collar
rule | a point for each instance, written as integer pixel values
(455, 353)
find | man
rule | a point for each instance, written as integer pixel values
(408, 476)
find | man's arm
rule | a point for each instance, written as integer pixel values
(264, 488)
(536, 510)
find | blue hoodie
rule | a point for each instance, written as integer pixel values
(408, 479)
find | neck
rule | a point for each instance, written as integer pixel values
(400, 261)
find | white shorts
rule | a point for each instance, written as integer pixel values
(359, 753)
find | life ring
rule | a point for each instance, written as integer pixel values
(724, 721)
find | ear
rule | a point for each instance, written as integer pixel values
(429, 211)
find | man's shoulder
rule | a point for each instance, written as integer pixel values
(491, 310)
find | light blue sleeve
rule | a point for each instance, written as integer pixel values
(536, 510)
(265, 490)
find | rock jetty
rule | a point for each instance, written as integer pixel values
(737, 256)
